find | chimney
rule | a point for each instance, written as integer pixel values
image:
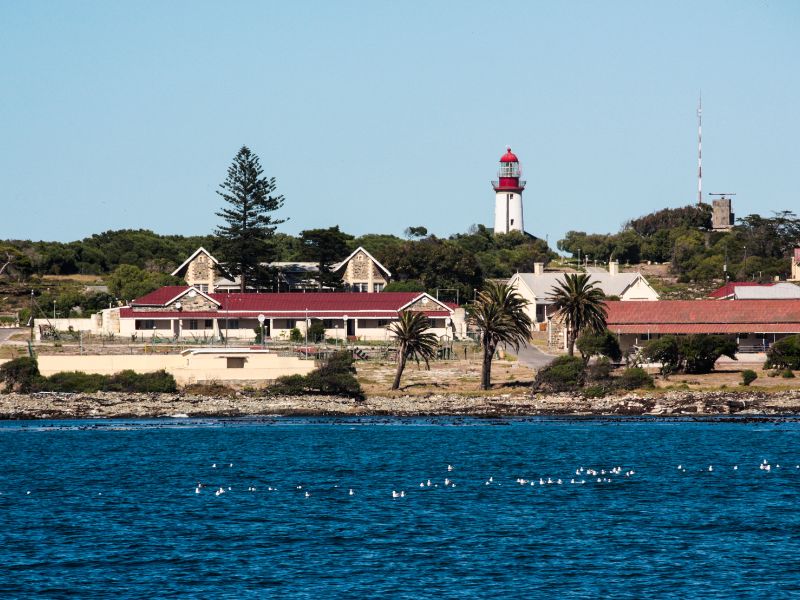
(613, 268)
(538, 268)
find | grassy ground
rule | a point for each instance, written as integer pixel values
(444, 377)
(462, 377)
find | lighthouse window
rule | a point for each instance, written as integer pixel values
(509, 196)
(512, 221)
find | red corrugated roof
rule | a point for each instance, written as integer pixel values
(315, 301)
(161, 296)
(729, 288)
(129, 313)
(704, 316)
(289, 305)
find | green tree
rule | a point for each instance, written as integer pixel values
(413, 341)
(599, 343)
(325, 247)
(580, 305)
(19, 374)
(784, 354)
(245, 237)
(435, 264)
(499, 314)
(129, 282)
(416, 232)
(689, 353)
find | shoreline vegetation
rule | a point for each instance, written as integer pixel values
(661, 403)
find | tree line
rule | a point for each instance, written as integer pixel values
(757, 247)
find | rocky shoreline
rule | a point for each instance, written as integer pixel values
(661, 404)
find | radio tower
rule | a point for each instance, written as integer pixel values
(700, 150)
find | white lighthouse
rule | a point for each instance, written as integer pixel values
(508, 195)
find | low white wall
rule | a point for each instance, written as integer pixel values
(190, 368)
(83, 324)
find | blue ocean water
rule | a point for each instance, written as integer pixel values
(100, 509)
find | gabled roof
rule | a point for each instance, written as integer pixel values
(612, 285)
(422, 295)
(167, 295)
(184, 264)
(704, 316)
(356, 251)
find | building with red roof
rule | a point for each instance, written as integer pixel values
(187, 312)
(755, 323)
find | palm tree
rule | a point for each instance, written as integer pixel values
(414, 341)
(499, 313)
(580, 304)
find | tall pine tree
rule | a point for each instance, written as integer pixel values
(248, 229)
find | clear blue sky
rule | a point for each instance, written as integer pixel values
(377, 115)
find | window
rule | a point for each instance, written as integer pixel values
(208, 324)
(360, 287)
(203, 287)
(328, 323)
(383, 322)
(145, 324)
(291, 323)
(192, 324)
(378, 287)
(235, 362)
(233, 324)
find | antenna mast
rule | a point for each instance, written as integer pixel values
(700, 150)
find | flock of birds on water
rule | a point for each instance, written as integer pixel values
(582, 476)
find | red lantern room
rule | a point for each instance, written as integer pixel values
(509, 174)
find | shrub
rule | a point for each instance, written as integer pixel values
(335, 377)
(565, 373)
(129, 381)
(20, 374)
(599, 369)
(784, 354)
(635, 378)
(596, 391)
(124, 381)
(787, 374)
(295, 335)
(316, 331)
(603, 343)
(748, 376)
(71, 381)
(210, 388)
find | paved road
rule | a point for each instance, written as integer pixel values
(6, 333)
(531, 356)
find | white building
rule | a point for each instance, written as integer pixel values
(537, 288)
(185, 312)
(508, 195)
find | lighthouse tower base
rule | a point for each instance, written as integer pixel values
(508, 212)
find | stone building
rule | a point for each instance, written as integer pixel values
(360, 272)
(721, 216)
(185, 312)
